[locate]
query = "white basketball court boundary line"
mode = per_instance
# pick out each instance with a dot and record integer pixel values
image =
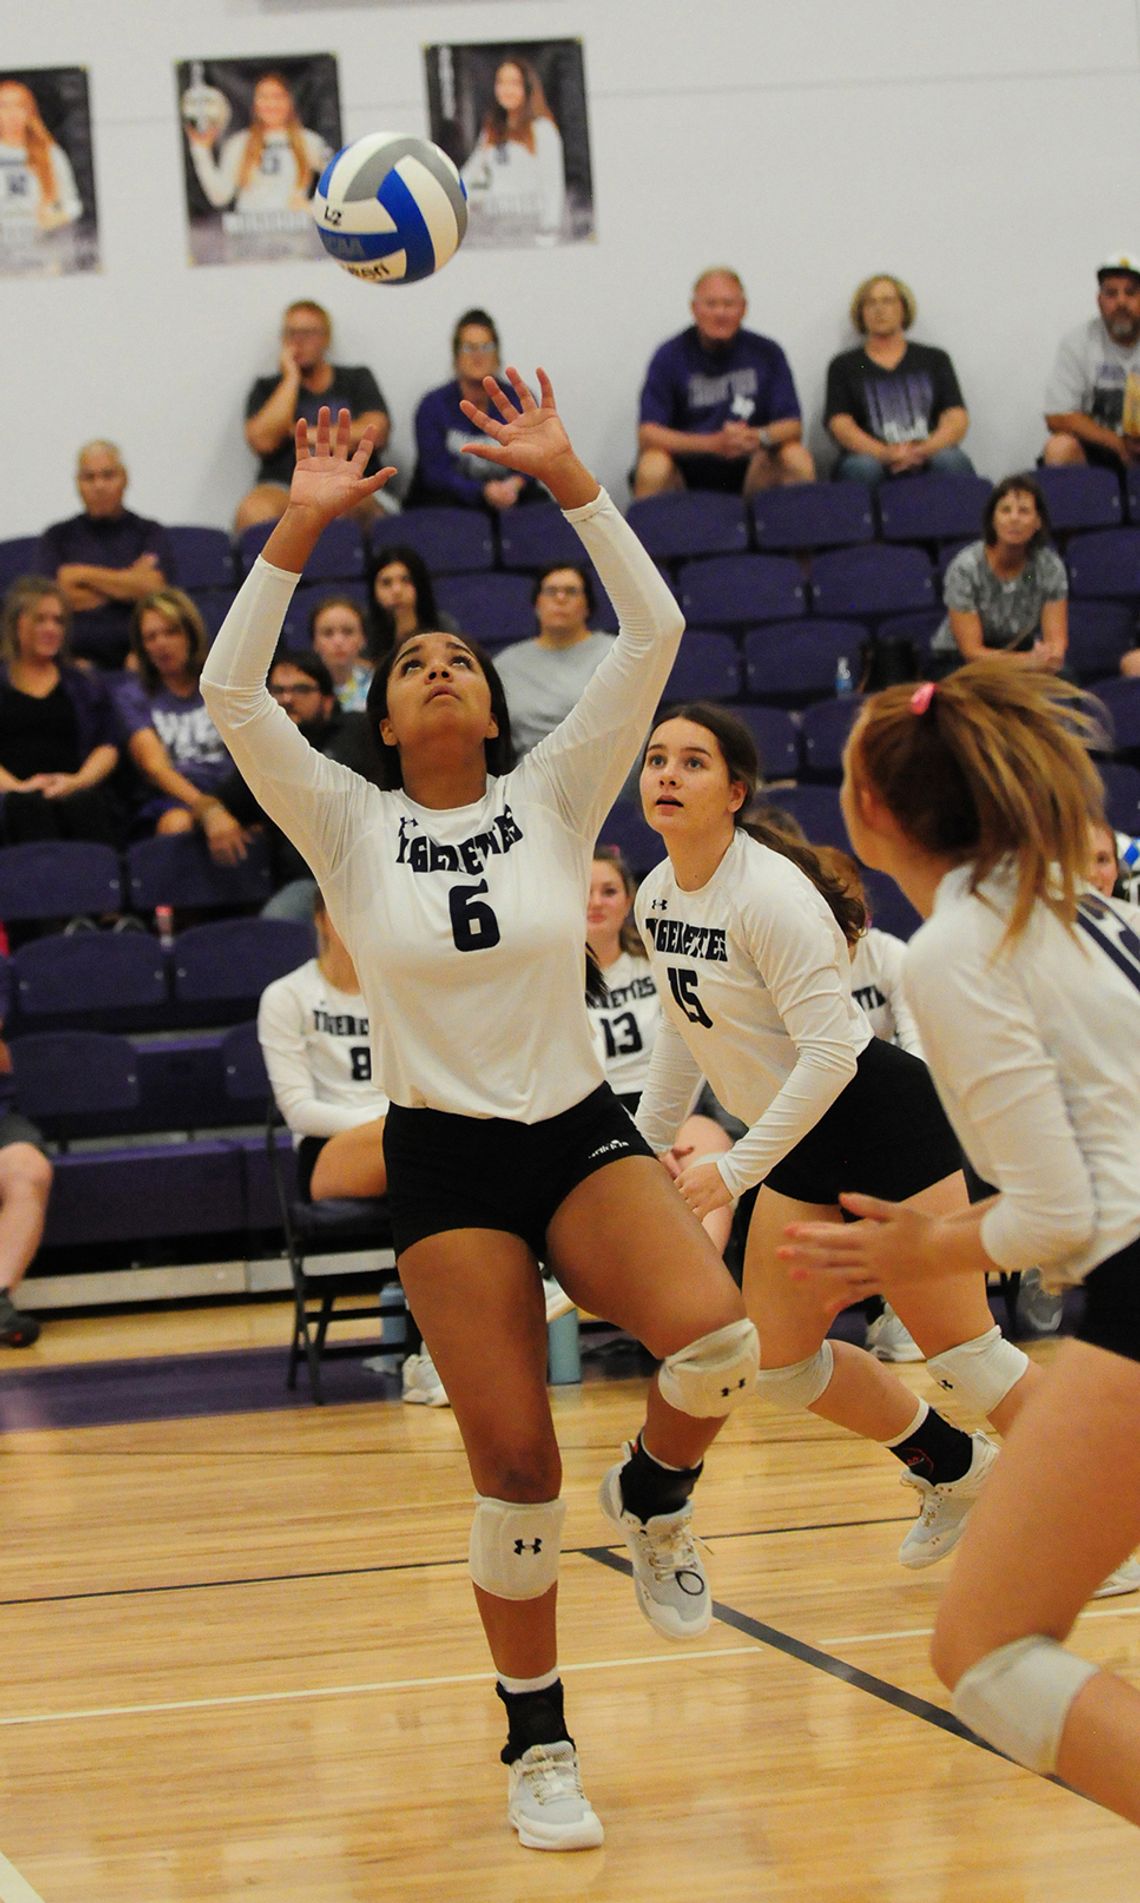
(350, 1691)
(13, 1887)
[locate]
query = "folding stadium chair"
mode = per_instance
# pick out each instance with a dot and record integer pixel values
(536, 534)
(812, 515)
(495, 609)
(295, 627)
(203, 558)
(707, 668)
(338, 556)
(1099, 633)
(890, 911)
(736, 591)
(213, 604)
(176, 869)
(792, 664)
(69, 1080)
(1122, 699)
(16, 558)
(113, 981)
(221, 969)
(823, 730)
(336, 1226)
(817, 810)
(1082, 498)
(1105, 563)
(451, 541)
(777, 740)
(1132, 491)
(932, 508)
(868, 583)
(676, 527)
(58, 879)
(1121, 795)
(625, 828)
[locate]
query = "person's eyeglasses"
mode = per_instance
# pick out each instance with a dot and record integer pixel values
(557, 590)
(294, 692)
(477, 350)
(304, 330)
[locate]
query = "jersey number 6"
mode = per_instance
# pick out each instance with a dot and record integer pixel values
(683, 985)
(474, 926)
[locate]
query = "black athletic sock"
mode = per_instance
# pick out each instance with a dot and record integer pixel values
(935, 1451)
(532, 1718)
(648, 1488)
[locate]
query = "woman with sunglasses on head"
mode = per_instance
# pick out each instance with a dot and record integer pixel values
(976, 797)
(458, 891)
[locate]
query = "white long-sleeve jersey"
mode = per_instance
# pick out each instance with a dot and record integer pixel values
(877, 988)
(466, 925)
(1034, 1053)
(626, 1026)
(754, 979)
(314, 1040)
(273, 187)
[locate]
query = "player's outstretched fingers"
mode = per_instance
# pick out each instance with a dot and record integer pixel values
(545, 389)
(514, 378)
(343, 433)
(324, 426)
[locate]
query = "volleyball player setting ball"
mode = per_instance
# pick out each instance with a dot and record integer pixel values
(976, 797)
(457, 888)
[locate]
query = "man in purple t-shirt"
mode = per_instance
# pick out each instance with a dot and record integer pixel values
(105, 559)
(719, 408)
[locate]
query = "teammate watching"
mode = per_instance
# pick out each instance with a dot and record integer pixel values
(458, 890)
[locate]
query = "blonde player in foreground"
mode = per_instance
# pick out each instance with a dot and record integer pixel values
(976, 797)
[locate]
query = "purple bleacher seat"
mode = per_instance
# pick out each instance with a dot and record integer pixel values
(1105, 563)
(794, 663)
(817, 810)
(823, 730)
(1081, 498)
(1121, 795)
(56, 878)
(451, 541)
(625, 828)
(872, 581)
(110, 980)
(1132, 491)
(220, 969)
(68, 1080)
(243, 1068)
(707, 668)
(920, 627)
(739, 590)
(295, 627)
(203, 558)
(945, 556)
(536, 534)
(777, 740)
(176, 869)
(890, 910)
(338, 556)
(213, 604)
(16, 558)
(493, 609)
(813, 515)
(1121, 698)
(675, 527)
(932, 508)
(146, 1192)
(1099, 633)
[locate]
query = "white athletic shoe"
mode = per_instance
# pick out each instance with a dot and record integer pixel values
(420, 1384)
(945, 1508)
(1038, 1312)
(668, 1575)
(888, 1340)
(1126, 1578)
(546, 1803)
(557, 1301)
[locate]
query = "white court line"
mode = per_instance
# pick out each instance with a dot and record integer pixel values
(927, 1631)
(350, 1691)
(13, 1888)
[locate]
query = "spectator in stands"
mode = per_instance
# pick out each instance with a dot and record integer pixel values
(339, 636)
(1104, 862)
(719, 408)
(403, 599)
(304, 380)
(167, 731)
(1092, 403)
(1008, 593)
(57, 729)
(25, 1185)
(543, 678)
(313, 1029)
(444, 476)
(105, 559)
(894, 407)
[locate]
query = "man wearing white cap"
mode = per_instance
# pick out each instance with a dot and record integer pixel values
(1092, 402)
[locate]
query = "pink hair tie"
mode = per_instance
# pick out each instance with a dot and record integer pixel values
(922, 697)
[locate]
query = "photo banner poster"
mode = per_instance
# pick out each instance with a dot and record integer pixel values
(256, 135)
(512, 115)
(48, 224)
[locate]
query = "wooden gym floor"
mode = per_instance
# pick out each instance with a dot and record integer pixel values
(240, 1659)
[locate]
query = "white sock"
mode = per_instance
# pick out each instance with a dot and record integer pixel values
(540, 1684)
(896, 1440)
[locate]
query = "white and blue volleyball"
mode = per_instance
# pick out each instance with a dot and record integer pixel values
(390, 209)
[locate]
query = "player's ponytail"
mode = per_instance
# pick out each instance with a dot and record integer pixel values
(990, 766)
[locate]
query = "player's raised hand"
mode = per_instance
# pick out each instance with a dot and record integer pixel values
(529, 437)
(329, 478)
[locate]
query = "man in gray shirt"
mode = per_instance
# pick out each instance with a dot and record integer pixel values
(543, 678)
(1092, 403)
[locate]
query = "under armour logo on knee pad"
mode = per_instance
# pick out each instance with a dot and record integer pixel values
(528, 1546)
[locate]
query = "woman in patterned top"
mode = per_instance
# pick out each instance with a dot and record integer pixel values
(1007, 593)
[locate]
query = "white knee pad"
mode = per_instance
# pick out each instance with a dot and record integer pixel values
(1018, 1699)
(515, 1546)
(801, 1383)
(982, 1371)
(714, 1373)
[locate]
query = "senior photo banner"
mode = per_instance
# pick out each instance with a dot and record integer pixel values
(48, 225)
(256, 135)
(512, 115)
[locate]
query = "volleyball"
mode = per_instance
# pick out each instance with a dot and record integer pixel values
(390, 209)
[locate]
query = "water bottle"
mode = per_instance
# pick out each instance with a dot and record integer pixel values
(164, 926)
(844, 679)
